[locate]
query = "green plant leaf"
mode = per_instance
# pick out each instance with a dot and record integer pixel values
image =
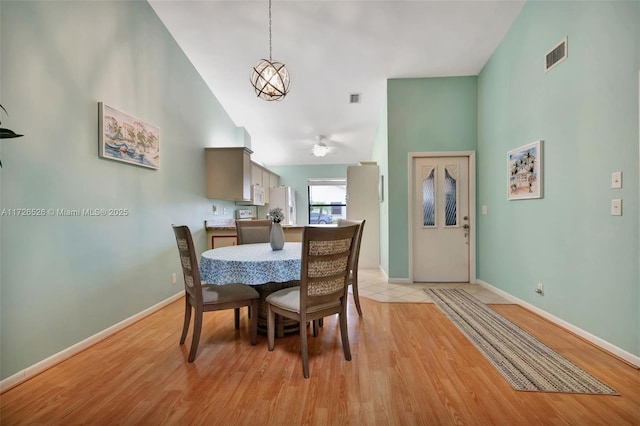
(8, 133)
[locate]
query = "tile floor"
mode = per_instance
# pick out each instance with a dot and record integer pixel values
(373, 284)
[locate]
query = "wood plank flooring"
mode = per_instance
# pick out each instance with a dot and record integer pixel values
(411, 366)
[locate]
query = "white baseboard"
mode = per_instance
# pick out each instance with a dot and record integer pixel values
(384, 274)
(602, 344)
(49, 362)
(399, 281)
(393, 280)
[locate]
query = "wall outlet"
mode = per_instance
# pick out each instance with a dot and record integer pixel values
(215, 209)
(540, 289)
(616, 207)
(174, 278)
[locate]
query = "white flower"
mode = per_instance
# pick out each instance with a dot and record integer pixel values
(276, 215)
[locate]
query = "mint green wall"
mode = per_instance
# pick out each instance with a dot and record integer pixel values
(64, 279)
(424, 114)
(297, 176)
(586, 111)
(381, 156)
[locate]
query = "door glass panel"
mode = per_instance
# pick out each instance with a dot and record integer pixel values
(429, 200)
(450, 197)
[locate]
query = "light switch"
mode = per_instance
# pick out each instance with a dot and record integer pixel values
(484, 209)
(616, 180)
(616, 207)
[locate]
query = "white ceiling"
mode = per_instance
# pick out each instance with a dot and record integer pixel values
(331, 49)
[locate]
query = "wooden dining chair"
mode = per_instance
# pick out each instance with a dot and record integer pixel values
(253, 231)
(202, 297)
(353, 275)
(324, 281)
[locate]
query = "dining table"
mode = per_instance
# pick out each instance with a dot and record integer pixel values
(259, 266)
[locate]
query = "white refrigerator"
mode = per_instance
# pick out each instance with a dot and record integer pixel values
(285, 198)
(363, 203)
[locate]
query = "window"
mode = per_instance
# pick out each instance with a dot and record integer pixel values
(429, 200)
(327, 200)
(450, 196)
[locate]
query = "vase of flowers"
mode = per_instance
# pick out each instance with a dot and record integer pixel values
(276, 237)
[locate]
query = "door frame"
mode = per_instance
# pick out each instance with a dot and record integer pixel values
(471, 157)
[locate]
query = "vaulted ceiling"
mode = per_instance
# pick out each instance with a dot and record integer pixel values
(332, 49)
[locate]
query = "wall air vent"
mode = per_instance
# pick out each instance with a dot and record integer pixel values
(556, 55)
(354, 98)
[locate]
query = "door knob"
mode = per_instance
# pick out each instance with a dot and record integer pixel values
(465, 218)
(465, 226)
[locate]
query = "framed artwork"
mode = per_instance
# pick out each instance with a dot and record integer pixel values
(524, 172)
(123, 137)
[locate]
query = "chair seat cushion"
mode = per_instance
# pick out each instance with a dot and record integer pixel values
(212, 293)
(289, 299)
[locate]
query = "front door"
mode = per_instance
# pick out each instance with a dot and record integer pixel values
(441, 219)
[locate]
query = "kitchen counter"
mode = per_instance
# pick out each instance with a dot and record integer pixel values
(230, 225)
(222, 232)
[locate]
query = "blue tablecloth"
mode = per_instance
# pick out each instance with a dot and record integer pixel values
(251, 264)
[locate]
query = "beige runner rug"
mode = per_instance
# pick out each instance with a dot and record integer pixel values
(525, 362)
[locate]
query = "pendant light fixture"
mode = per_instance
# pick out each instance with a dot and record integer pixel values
(269, 78)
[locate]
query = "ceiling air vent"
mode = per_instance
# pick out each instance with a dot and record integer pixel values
(354, 98)
(555, 55)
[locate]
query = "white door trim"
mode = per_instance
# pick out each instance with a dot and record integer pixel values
(471, 155)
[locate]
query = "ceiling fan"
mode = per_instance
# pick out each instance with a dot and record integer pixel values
(320, 147)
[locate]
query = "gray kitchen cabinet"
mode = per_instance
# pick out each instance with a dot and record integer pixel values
(228, 173)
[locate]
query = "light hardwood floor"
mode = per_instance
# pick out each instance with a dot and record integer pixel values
(410, 365)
